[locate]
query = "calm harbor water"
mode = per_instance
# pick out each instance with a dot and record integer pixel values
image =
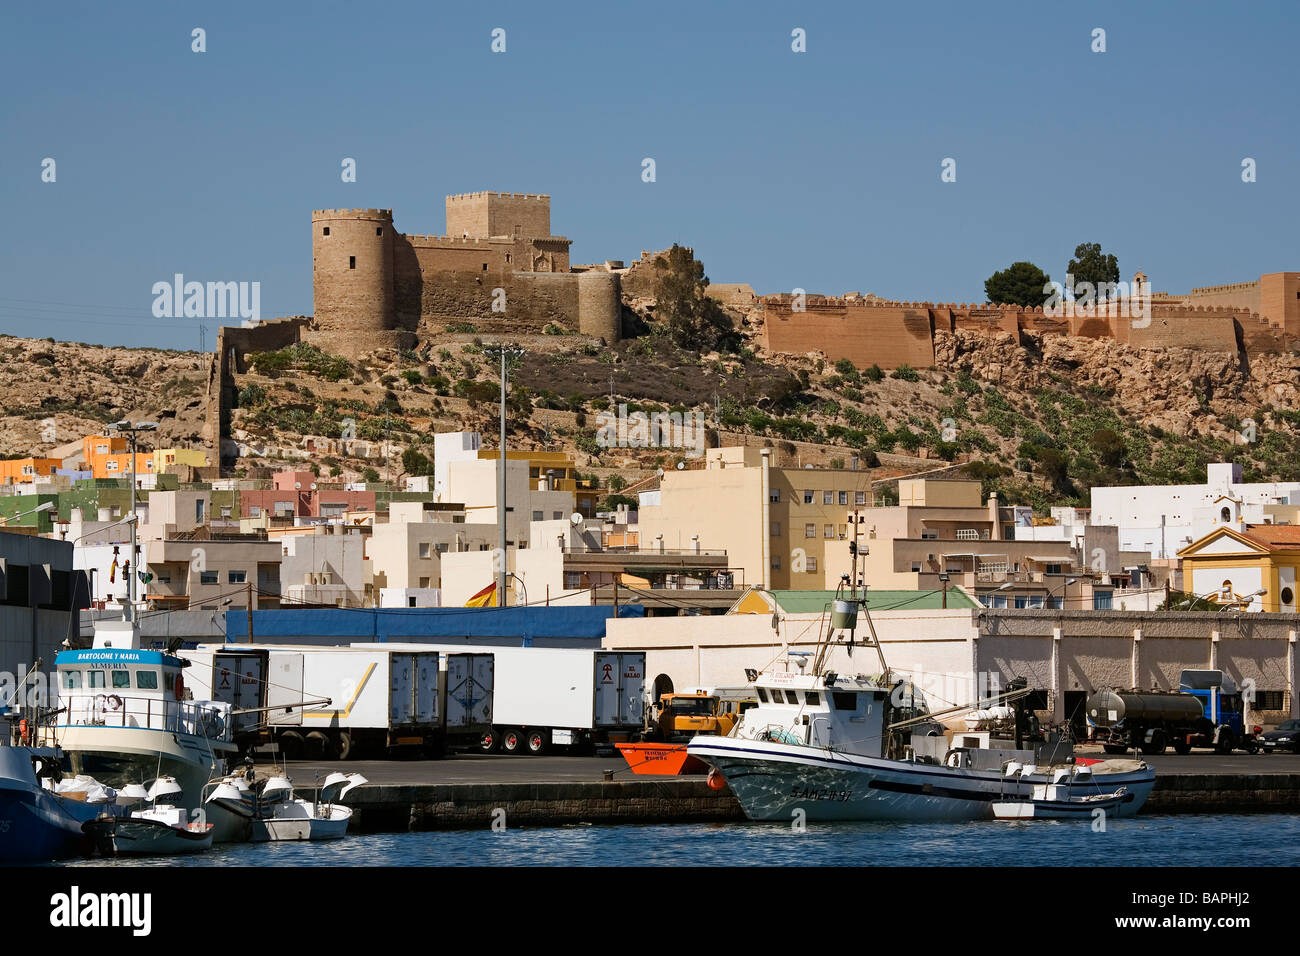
(1239, 840)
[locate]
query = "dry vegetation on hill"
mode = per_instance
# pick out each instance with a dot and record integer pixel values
(1040, 420)
(80, 388)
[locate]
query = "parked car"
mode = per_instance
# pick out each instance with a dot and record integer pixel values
(1285, 737)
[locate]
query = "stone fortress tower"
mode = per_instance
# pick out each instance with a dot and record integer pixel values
(352, 277)
(377, 288)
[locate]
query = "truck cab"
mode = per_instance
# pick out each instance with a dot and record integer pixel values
(682, 716)
(1224, 706)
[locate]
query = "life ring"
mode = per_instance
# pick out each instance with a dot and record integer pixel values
(113, 702)
(716, 780)
(179, 687)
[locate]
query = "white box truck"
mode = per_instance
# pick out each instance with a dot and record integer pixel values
(563, 697)
(346, 702)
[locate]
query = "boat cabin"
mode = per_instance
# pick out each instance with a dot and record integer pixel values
(115, 683)
(844, 713)
(129, 688)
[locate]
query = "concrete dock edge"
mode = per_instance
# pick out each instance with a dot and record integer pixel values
(415, 807)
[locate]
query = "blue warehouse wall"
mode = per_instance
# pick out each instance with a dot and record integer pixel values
(509, 626)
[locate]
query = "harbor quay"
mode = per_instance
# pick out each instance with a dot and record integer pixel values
(471, 791)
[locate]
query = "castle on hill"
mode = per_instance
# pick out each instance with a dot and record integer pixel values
(497, 262)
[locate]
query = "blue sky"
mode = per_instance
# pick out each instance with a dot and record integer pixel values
(819, 170)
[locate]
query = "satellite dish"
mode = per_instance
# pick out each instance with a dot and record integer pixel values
(659, 472)
(681, 465)
(576, 518)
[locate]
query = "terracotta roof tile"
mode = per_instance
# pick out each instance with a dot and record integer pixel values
(1274, 536)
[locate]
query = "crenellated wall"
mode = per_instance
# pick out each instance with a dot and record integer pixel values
(876, 332)
(887, 334)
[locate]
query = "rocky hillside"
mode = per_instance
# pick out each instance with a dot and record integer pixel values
(57, 392)
(1040, 420)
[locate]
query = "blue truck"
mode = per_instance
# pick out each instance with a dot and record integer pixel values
(1208, 710)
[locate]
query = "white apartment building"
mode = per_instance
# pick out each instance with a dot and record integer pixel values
(1163, 519)
(407, 551)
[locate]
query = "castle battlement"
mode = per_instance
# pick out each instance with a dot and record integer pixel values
(1231, 287)
(456, 240)
(496, 195)
(350, 213)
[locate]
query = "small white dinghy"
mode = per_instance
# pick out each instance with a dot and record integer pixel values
(282, 816)
(162, 829)
(1071, 794)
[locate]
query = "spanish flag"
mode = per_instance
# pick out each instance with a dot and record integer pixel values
(485, 598)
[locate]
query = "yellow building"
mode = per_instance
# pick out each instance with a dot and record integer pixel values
(552, 471)
(107, 456)
(165, 458)
(1232, 564)
(777, 525)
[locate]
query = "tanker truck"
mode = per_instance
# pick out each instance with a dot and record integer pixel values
(1206, 712)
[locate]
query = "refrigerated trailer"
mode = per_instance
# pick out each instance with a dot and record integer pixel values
(346, 702)
(545, 697)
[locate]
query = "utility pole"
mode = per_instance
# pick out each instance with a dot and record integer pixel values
(853, 584)
(388, 456)
(249, 586)
(503, 571)
(131, 431)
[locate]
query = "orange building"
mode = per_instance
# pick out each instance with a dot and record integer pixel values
(107, 457)
(17, 471)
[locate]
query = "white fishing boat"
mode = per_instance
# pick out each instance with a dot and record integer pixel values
(124, 715)
(161, 829)
(283, 816)
(855, 748)
(1072, 794)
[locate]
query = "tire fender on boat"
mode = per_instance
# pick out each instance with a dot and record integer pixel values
(716, 780)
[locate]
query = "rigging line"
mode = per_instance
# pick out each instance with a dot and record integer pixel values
(786, 645)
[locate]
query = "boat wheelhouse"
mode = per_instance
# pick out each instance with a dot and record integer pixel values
(833, 747)
(124, 716)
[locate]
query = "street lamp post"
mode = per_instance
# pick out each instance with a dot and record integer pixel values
(1001, 587)
(1221, 591)
(503, 574)
(1243, 601)
(47, 506)
(1064, 585)
(90, 572)
(131, 431)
